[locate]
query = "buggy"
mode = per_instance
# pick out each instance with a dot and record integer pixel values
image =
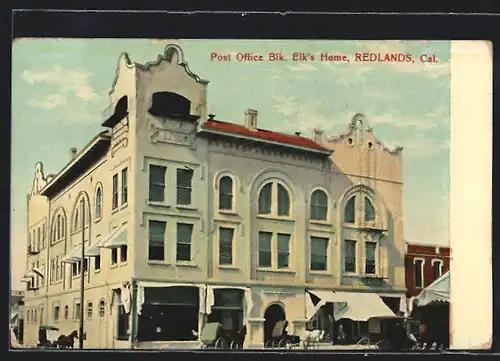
(380, 330)
(214, 336)
(280, 337)
(47, 336)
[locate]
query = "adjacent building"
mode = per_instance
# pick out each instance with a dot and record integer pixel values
(186, 219)
(424, 264)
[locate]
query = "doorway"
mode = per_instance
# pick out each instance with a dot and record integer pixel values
(274, 313)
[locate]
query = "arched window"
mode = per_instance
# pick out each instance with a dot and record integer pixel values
(89, 310)
(58, 225)
(226, 193)
(102, 308)
(319, 205)
(369, 210)
(98, 203)
(350, 210)
(274, 199)
(76, 223)
(66, 312)
(76, 220)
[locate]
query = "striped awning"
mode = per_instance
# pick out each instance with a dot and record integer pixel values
(116, 238)
(73, 256)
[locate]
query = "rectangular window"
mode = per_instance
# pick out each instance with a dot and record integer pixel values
(43, 235)
(283, 250)
(350, 256)
(157, 183)
(85, 265)
(56, 313)
(418, 270)
(265, 253)
(114, 256)
(370, 258)
(76, 315)
(123, 254)
(124, 186)
(319, 254)
(156, 250)
(115, 192)
(184, 234)
(226, 236)
(436, 267)
(122, 321)
(75, 268)
(184, 186)
(97, 263)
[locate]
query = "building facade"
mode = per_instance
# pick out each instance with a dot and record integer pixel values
(424, 264)
(186, 219)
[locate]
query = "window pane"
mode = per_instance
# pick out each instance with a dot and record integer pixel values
(184, 180)
(319, 205)
(418, 273)
(283, 201)
(115, 191)
(437, 270)
(97, 262)
(226, 193)
(265, 249)
(123, 253)
(156, 240)
(350, 210)
(369, 211)
(265, 201)
(184, 233)
(319, 248)
(350, 256)
(370, 266)
(157, 183)
(124, 186)
(226, 245)
(283, 250)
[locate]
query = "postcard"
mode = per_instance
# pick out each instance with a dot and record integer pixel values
(284, 195)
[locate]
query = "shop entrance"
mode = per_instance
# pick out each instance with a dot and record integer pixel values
(273, 314)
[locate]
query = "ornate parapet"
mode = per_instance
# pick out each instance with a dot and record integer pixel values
(39, 181)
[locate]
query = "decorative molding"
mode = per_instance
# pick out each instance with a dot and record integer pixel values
(39, 181)
(170, 53)
(161, 135)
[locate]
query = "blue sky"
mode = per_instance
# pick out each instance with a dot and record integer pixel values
(60, 89)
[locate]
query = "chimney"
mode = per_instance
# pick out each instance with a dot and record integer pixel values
(318, 135)
(72, 153)
(298, 134)
(211, 116)
(251, 119)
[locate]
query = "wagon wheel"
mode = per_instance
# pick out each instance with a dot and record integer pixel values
(382, 345)
(235, 345)
(269, 344)
(31, 343)
(282, 343)
(220, 343)
(289, 345)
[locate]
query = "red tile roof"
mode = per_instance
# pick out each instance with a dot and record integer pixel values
(285, 139)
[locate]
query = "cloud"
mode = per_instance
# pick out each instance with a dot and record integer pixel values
(433, 119)
(51, 101)
(301, 67)
(75, 81)
(348, 74)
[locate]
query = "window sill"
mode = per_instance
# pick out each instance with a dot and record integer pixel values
(124, 205)
(97, 219)
(185, 264)
(275, 270)
(227, 212)
(123, 264)
(158, 263)
(320, 273)
(186, 207)
(351, 274)
(97, 271)
(275, 218)
(115, 210)
(228, 267)
(114, 265)
(158, 204)
(55, 282)
(321, 223)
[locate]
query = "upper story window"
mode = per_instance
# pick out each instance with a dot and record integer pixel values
(274, 250)
(437, 268)
(115, 192)
(319, 254)
(184, 186)
(226, 193)
(319, 205)
(418, 265)
(98, 202)
(359, 209)
(157, 183)
(78, 216)
(274, 199)
(58, 227)
(124, 186)
(156, 249)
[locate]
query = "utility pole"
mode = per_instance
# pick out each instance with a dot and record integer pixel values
(82, 278)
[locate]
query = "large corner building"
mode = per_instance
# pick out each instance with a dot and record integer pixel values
(188, 219)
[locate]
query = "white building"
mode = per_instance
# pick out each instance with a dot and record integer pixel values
(195, 220)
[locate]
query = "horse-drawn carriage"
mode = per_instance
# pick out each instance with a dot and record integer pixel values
(47, 336)
(385, 332)
(214, 336)
(280, 337)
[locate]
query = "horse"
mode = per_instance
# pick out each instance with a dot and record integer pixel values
(67, 341)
